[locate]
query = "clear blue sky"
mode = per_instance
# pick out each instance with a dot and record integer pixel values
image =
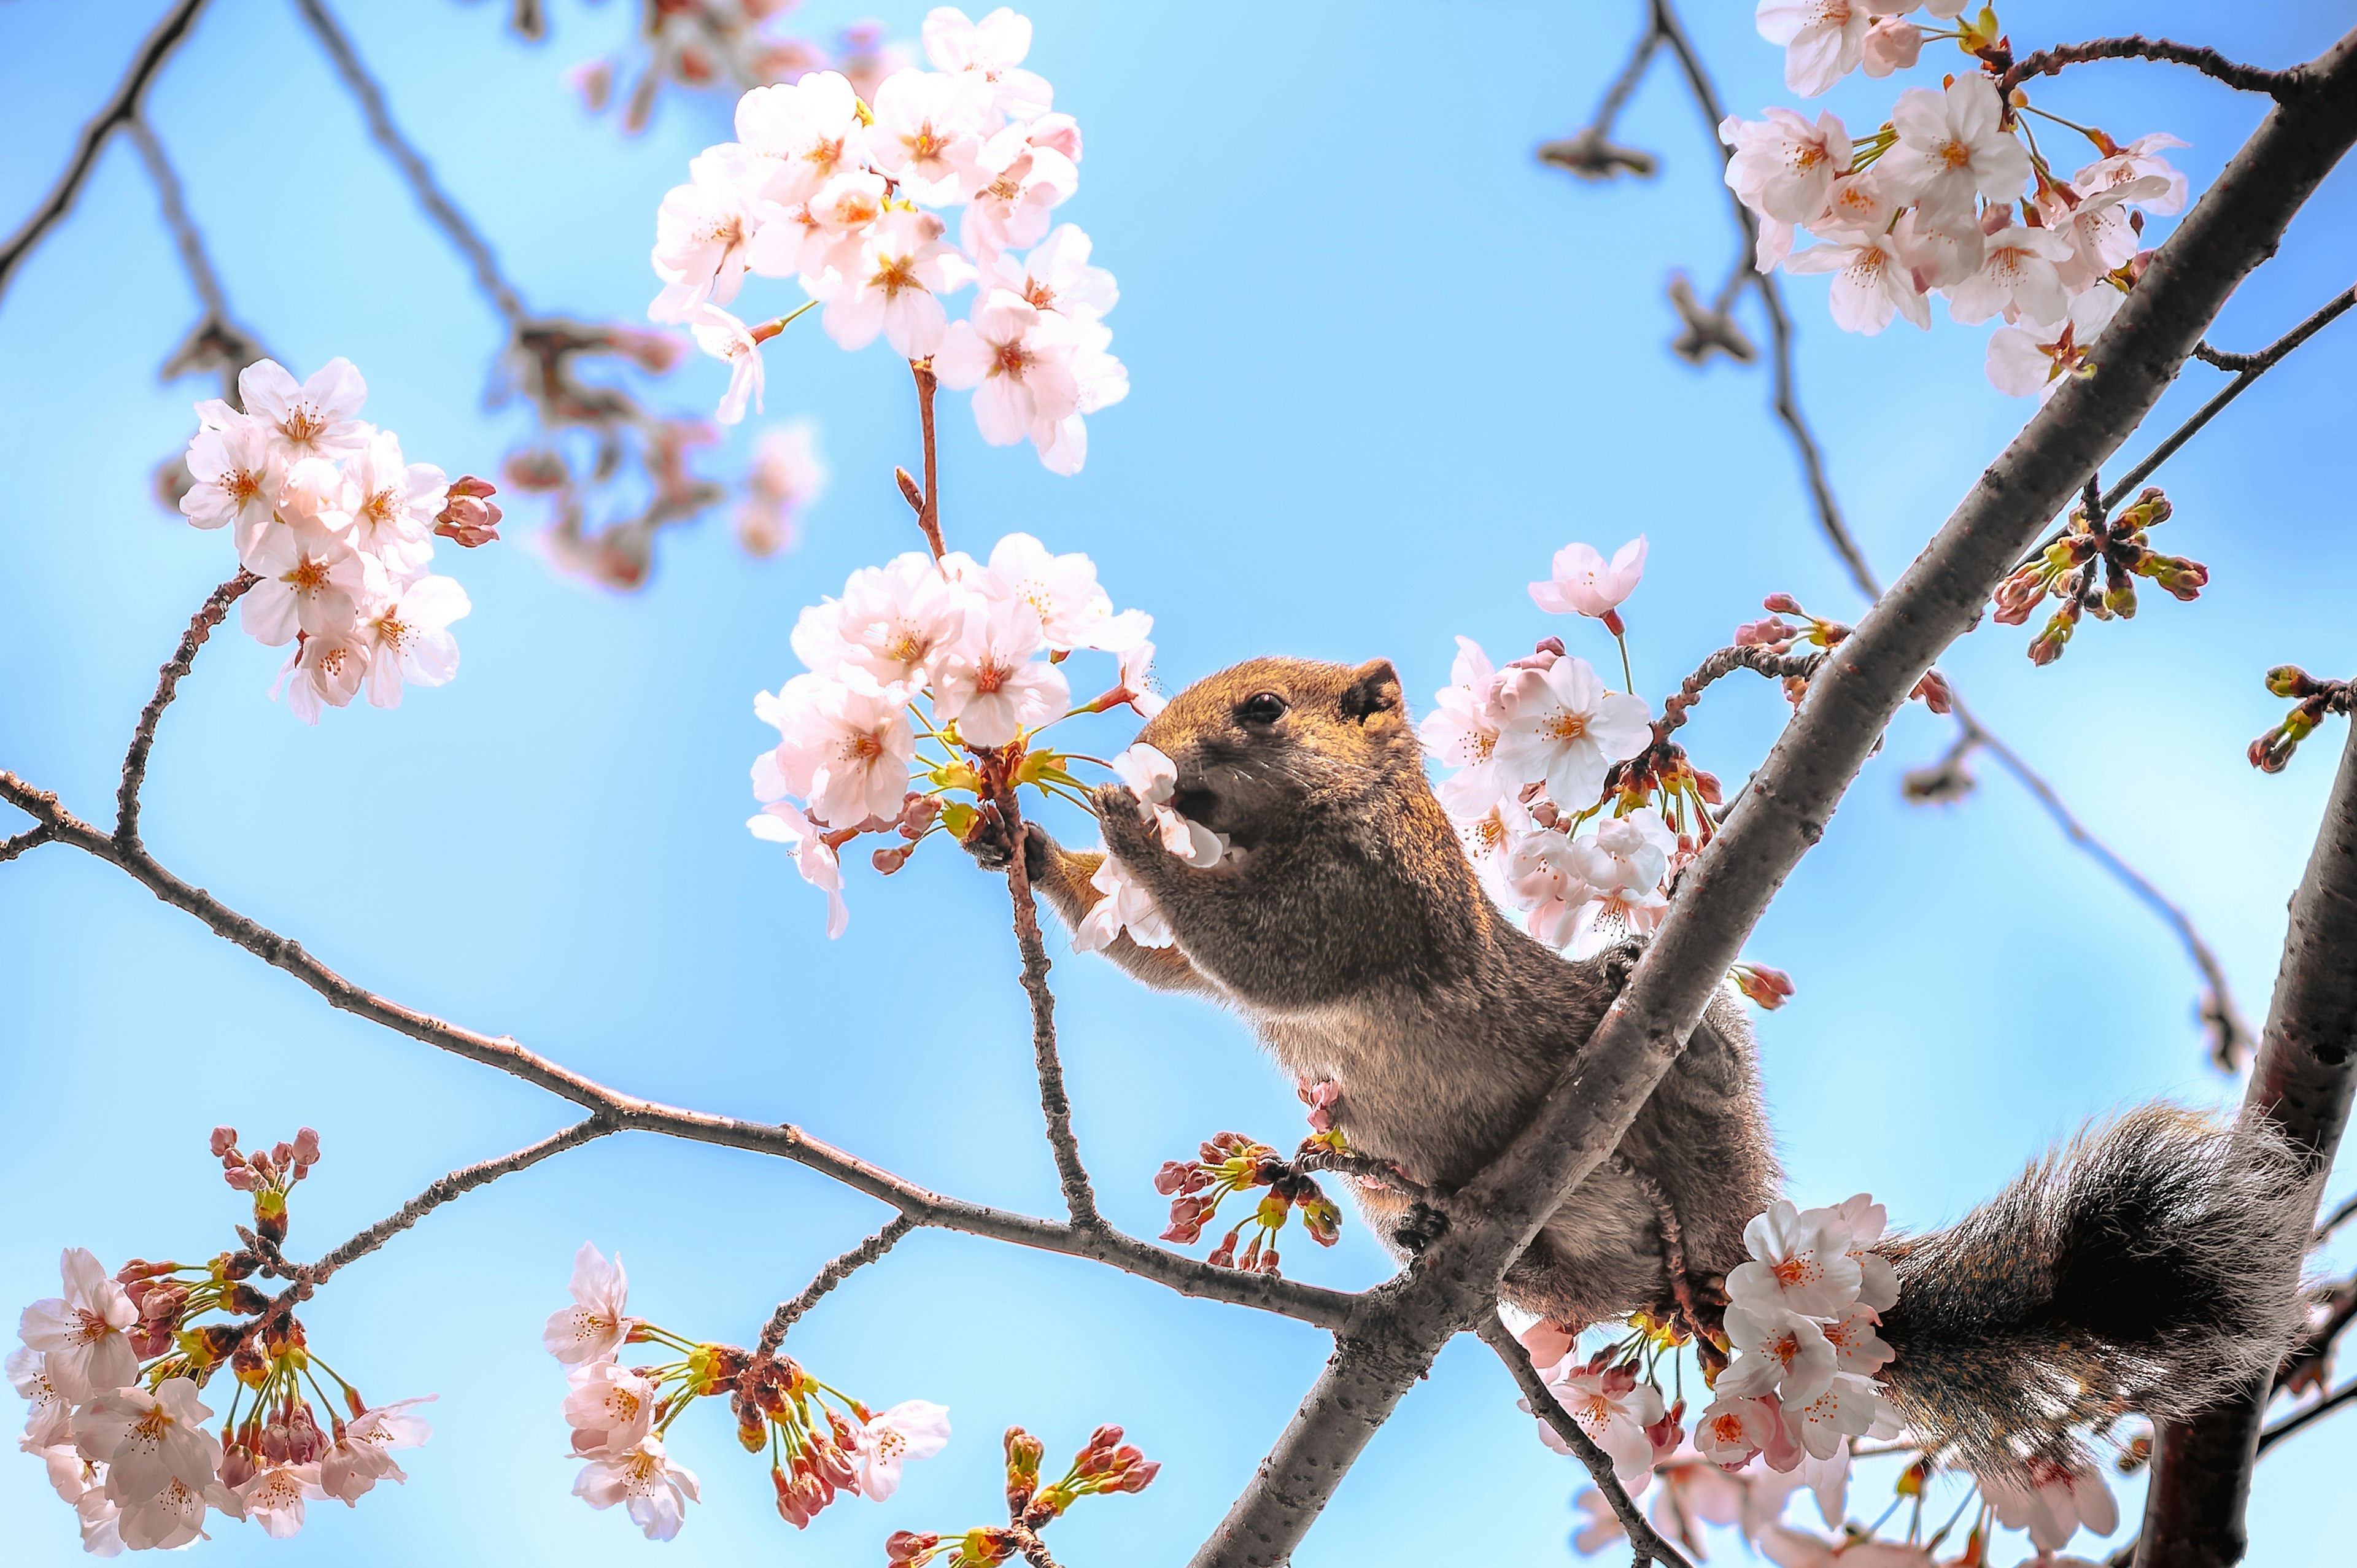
(1383, 365)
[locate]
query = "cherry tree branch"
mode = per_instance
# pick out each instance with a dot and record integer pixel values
(1397, 1329)
(1080, 1201)
(168, 686)
(2277, 84)
(1645, 1542)
(117, 110)
(2315, 1413)
(2336, 1219)
(2302, 1081)
(926, 503)
(849, 1263)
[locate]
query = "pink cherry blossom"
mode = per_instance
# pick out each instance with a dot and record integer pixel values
(597, 1323)
(990, 685)
(1783, 168)
(895, 622)
(362, 1452)
(2024, 361)
(147, 1440)
(1461, 734)
(1856, 203)
(1800, 1263)
(321, 672)
(1615, 913)
(1614, 1410)
(928, 130)
(1544, 875)
(1865, 1219)
(1563, 727)
(1629, 852)
(844, 747)
(1856, 1348)
(784, 476)
(1018, 362)
(610, 1408)
(49, 1418)
(913, 1429)
(172, 1516)
(799, 134)
(1125, 906)
(2017, 277)
(2139, 160)
(1871, 282)
(1850, 1407)
(1890, 44)
(237, 476)
(654, 1491)
(83, 1335)
(1013, 206)
(781, 822)
(312, 580)
(2053, 1502)
(1731, 1430)
(1583, 584)
(1074, 611)
(992, 49)
(1951, 148)
(894, 286)
(1057, 277)
(1599, 1526)
(701, 232)
(274, 1497)
(406, 630)
(2102, 238)
(1935, 257)
(1824, 39)
(316, 418)
(391, 504)
(1780, 1353)
(727, 340)
(1137, 680)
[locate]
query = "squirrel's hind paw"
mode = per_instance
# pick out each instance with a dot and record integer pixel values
(1419, 1227)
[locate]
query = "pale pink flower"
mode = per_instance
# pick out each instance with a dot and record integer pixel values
(1866, 1220)
(102, 1524)
(1599, 1525)
(785, 475)
(610, 1408)
(1850, 1407)
(799, 134)
(1871, 282)
(1952, 148)
(391, 504)
(927, 132)
(312, 580)
(844, 747)
(1074, 611)
(1057, 277)
(1563, 727)
(237, 476)
(2137, 161)
(1783, 168)
(1018, 361)
(2024, 361)
(1153, 777)
(1461, 734)
(83, 1335)
(1824, 39)
(361, 1454)
(1138, 679)
(2016, 278)
(1626, 851)
(991, 686)
(1780, 1353)
(727, 340)
(895, 622)
(655, 1491)
(1614, 913)
(1614, 1410)
(2053, 1503)
(1730, 1429)
(321, 672)
(799, 241)
(1544, 875)
(1800, 1263)
(318, 418)
(1584, 583)
(1125, 906)
(1016, 199)
(1856, 202)
(2102, 238)
(170, 1517)
(406, 630)
(913, 1429)
(992, 49)
(597, 1323)
(781, 822)
(147, 1441)
(1935, 257)
(1890, 44)
(72, 1475)
(701, 232)
(894, 286)
(1857, 1346)
(274, 1496)
(50, 1419)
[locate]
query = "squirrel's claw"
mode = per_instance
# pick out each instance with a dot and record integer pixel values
(1419, 1227)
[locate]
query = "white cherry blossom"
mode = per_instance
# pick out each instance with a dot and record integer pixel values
(2053, 1503)
(894, 286)
(147, 1440)
(1891, 44)
(781, 822)
(1584, 583)
(322, 671)
(1824, 39)
(701, 232)
(727, 340)
(406, 630)
(274, 1496)
(1783, 168)
(1951, 148)
(2016, 278)
(1544, 875)
(1614, 1410)
(83, 1335)
(1938, 258)
(316, 418)
(611, 1409)
(1563, 727)
(2097, 226)
(170, 1517)
(1857, 1346)
(391, 504)
(1153, 777)
(913, 1429)
(1850, 1407)
(1074, 611)
(1125, 906)
(1730, 1431)
(929, 133)
(2024, 361)
(1057, 277)
(312, 580)
(992, 686)
(1780, 1353)
(48, 1421)
(362, 1454)
(1461, 734)
(2137, 161)
(1615, 913)
(1878, 1281)
(597, 1323)
(1800, 1263)
(895, 622)
(799, 134)
(1629, 852)
(655, 1491)
(1871, 282)
(992, 49)
(1018, 361)
(237, 476)
(844, 747)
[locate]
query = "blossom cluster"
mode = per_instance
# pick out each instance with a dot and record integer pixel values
(1926, 205)
(339, 531)
(785, 477)
(2091, 570)
(821, 1443)
(928, 680)
(1103, 1465)
(845, 192)
(709, 43)
(1229, 1164)
(115, 1368)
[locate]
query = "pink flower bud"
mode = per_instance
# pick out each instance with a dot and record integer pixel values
(1173, 1175)
(241, 1179)
(306, 1146)
(905, 1546)
(470, 517)
(224, 1141)
(1782, 604)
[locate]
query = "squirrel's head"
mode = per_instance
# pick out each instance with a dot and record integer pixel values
(1264, 747)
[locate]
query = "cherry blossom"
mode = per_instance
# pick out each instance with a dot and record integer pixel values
(781, 822)
(2133, 163)
(1800, 1263)
(1850, 1407)
(1783, 168)
(1014, 208)
(991, 686)
(610, 1408)
(799, 136)
(1614, 1410)
(1543, 877)
(316, 418)
(47, 1422)
(2026, 362)
(992, 49)
(927, 132)
(391, 504)
(1057, 277)
(2102, 238)
(406, 630)
(1153, 777)
(843, 747)
(1461, 732)
(1856, 1348)
(701, 232)
(312, 580)
(1018, 362)
(894, 286)
(274, 1497)
(1615, 913)
(1952, 147)
(895, 622)
(654, 1491)
(1074, 611)
(1824, 39)
(1137, 680)
(1599, 1526)
(2054, 1503)
(1626, 851)
(1584, 585)
(913, 1429)
(1780, 1353)
(323, 671)
(1936, 257)
(237, 476)
(1731, 1431)
(1871, 283)
(1560, 726)
(727, 340)
(173, 1516)
(1878, 1281)
(83, 1335)
(148, 1440)
(596, 1323)
(1125, 906)
(2016, 276)
(1890, 44)
(362, 1452)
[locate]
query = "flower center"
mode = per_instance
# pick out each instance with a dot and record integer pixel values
(893, 275)
(1565, 727)
(1010, 359)
(1794, 1271)
(303, 425)
(241, 486)
(1954, 155)
(308, 575)
(91, 1327)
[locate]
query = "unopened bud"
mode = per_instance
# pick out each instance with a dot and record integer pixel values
(2291, 681)
(471, 518)
(1782, 604)
(224, 1142)
(306, 1147)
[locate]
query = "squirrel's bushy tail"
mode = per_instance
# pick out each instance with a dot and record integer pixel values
(2152, 1264)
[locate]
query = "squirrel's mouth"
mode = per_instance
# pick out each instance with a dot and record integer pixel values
(1197, 806)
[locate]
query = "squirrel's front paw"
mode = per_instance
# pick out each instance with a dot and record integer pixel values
(1618, 961)
(1419, 1227)
(992, 846)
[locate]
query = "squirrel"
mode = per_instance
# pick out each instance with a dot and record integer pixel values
(2152, 1265)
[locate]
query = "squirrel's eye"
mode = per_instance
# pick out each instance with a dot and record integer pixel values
(1262, 708)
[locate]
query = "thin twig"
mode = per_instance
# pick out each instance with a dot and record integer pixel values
(928, 507)
(115, 111)
(2336, 1219)
(2208, 61)
(414, 167)
(1727, 661)
(168, 686)
(173, 198)
(31, 838)
(2316, 1411)
(1645, 1542)
(450, 1186)
(1080, 1201)
(833, 1274)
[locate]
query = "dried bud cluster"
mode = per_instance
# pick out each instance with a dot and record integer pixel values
(1228, 1164)
(2091, 570)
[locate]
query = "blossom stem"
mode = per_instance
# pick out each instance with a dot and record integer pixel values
(2092, 136)
(1627, 679)
(769, 329)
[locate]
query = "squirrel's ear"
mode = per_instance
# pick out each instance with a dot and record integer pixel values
(1374, 689)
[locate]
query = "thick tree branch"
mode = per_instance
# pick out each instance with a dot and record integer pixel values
(2208, 61)
(168, 686)
(412, 166)
(849, 1263)
(1398, 1330)
(115, 111)
(1645, 1542)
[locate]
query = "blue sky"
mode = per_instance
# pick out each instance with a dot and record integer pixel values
(1383, 364)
